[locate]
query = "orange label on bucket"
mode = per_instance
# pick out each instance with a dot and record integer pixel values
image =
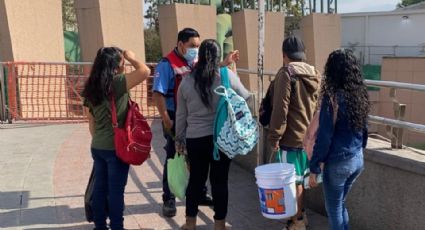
(272, 201)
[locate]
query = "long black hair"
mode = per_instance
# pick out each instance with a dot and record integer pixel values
(343, 74)
(207, 69)
(105, 66)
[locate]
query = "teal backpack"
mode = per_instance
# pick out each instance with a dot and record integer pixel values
(235, 130)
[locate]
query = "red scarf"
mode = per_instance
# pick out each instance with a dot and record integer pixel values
(181, 69)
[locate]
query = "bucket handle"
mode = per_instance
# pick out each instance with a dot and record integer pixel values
(279, 156)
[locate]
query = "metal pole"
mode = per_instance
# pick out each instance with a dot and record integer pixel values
(314, 6)
(280, 5)
(260, 69)
(2, 95)
(321, 6)
(336, 6)
(309, 6)
(329, 6)
(302, 8)
(232, 6)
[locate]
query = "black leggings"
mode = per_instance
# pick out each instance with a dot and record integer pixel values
(200, 153)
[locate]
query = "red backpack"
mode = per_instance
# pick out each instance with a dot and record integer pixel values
(133, 141)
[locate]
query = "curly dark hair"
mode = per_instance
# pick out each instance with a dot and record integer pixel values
(207, 69)
(343, 75)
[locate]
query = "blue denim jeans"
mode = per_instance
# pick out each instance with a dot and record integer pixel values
(170, 151)
(110, 180)
(338, 178)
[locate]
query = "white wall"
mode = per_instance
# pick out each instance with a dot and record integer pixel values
(376, 34)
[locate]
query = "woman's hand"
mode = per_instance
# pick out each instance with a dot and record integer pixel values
(231, 58)
(168, 124)
(275, 147)
(313, 180)
(129, 55)
(180, 148)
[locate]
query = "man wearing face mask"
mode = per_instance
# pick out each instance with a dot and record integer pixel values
(168, 75)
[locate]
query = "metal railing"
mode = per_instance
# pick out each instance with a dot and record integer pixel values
(395, 127)
(373, 54)
(231, 6)
(51, 91)
(28, 75)
(2, 95)
(311, 6)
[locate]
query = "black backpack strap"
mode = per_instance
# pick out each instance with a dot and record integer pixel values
(293, 80)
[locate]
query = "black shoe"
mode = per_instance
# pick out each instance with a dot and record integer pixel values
(169, 208)
(206, 201)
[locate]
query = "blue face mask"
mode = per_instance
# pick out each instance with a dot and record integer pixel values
(191, 55)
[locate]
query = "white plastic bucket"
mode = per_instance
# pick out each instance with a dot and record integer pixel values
(276, 188)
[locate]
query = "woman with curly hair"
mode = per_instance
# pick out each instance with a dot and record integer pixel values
(339, 146)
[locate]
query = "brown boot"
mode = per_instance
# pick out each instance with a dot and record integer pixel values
(190, 223)
(220, 225)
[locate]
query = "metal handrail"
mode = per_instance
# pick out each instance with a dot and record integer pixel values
(397, 123)
(396, 85)
(377, 119)
(374, 119)
(388, 84)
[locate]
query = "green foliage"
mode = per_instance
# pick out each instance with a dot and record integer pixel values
(69, 18)
(405, 3)
(295, 13)
(152, 45)
(152, 14)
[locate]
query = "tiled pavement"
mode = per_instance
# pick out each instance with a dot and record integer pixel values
(44, 171)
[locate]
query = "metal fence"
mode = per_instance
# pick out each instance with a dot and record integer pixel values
(49, 91)
(42, 91)
(373, 54)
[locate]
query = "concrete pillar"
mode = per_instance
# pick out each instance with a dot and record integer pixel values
(110, 23)
(175, 17)
(245, 39)
(31, 30)
(321, 34)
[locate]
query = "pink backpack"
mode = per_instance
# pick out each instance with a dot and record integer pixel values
(311, 133)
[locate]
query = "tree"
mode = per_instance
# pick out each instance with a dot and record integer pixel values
(69, 18)
(405, 3)
(152, 45)
(294, 12)
(152, 14)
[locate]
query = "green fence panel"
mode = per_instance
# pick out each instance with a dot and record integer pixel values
(372, 72)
